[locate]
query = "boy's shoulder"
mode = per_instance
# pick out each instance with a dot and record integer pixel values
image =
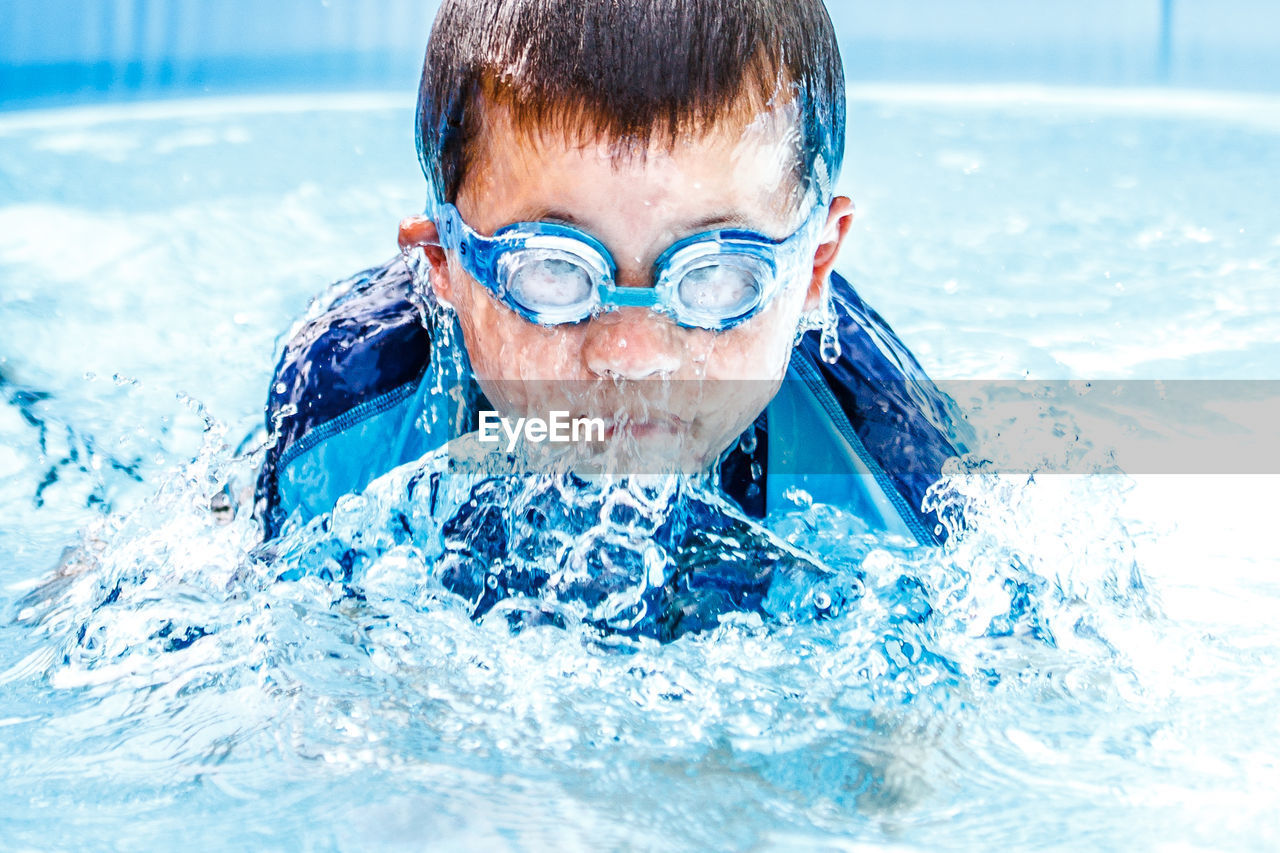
(360, 339)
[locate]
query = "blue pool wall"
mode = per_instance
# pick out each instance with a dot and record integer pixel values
(83, 51)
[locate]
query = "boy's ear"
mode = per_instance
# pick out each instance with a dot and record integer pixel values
(419, 232)
(839, 221)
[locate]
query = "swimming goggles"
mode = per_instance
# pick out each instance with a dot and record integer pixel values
(550, 273)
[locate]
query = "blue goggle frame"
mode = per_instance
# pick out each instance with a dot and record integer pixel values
(769, 262)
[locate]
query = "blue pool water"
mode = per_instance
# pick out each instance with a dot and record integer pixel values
(1092, 664)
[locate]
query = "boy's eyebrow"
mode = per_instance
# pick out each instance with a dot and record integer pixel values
(551, 214)
(724, 219)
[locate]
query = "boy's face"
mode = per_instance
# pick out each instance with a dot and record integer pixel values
(673, 395)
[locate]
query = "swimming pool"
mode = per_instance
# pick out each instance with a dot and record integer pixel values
(1096, 664)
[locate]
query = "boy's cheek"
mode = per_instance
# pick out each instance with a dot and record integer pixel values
(756, 351)
(502, 345)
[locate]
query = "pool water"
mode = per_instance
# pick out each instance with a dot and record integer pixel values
(1092, 662)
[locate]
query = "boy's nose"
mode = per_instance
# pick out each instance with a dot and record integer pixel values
(632, 343)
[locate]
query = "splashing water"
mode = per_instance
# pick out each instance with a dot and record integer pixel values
(460, 637)
(379, 677)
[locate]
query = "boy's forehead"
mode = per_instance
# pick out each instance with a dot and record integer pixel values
(748, 148)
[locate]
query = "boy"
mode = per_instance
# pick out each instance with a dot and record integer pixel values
(632, 204)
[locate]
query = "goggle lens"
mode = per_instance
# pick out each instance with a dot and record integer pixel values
(542, 279)
(721, 288)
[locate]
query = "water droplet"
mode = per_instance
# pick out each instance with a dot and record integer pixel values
(799, 497)
(830, 347)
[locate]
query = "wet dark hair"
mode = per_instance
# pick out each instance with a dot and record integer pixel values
(628, 71)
